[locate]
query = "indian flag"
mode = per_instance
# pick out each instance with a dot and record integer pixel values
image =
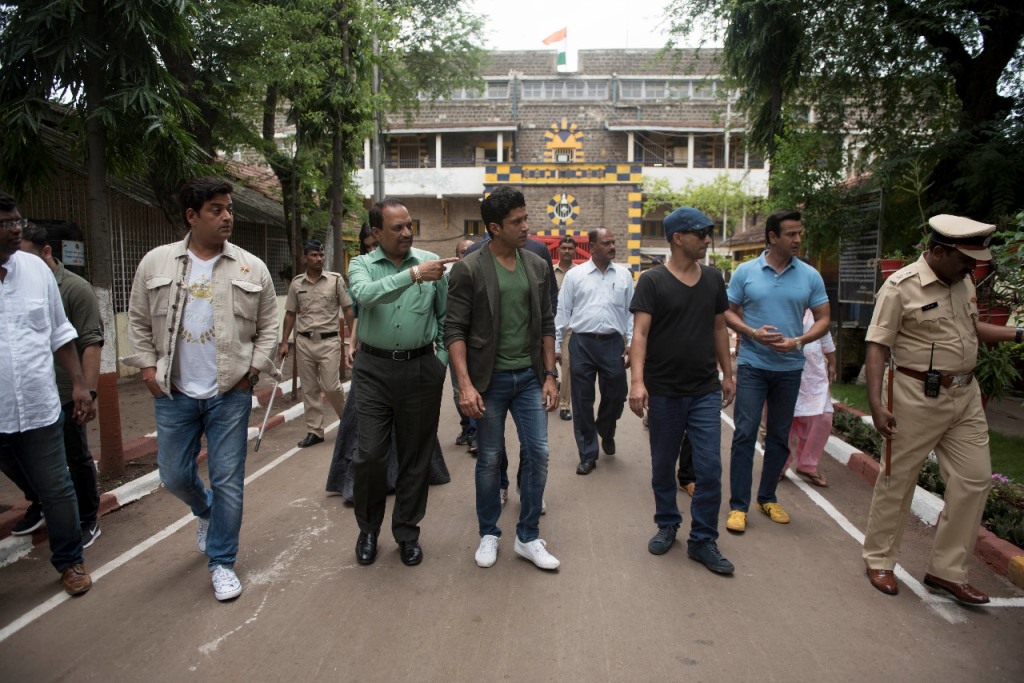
(558, 36)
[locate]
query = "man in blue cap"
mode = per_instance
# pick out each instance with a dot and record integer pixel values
(767, 300)
(679, 342)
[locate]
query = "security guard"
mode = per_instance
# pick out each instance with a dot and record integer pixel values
(316, 297)
(926, 318)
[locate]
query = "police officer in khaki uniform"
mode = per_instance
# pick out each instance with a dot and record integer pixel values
(315, 298)
(930, 305)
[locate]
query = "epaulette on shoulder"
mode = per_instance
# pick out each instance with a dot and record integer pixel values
(902, 274)
(302, 274)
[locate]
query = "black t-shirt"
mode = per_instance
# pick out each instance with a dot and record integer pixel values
(681, 343)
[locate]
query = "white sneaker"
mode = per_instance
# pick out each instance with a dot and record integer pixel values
(225, 584)
(487, 553)
(202, 529)
(536, 551)
(504, 497)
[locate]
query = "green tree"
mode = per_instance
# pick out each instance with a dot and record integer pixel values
(724, 200)
(934, 82)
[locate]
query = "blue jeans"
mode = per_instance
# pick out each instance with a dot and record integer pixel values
(37, 455)
(754, 387)
(518, 392)
(181, 421)
(670, 418)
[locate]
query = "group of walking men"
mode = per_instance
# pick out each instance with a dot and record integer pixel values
(203, 325)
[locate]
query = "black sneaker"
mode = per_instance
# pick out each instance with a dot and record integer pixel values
(463, 438)
(90, 532)
(709, 556)
(662, 540)
(471, 442)
(32, 520)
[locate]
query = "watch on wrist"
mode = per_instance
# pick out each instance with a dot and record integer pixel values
(551, 373)
(799, 344)
(253, 378)
(93, 394)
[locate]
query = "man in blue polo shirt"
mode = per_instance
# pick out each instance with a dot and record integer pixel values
(767, 300)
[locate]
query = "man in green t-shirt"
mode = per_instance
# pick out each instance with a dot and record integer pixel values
(500, 332)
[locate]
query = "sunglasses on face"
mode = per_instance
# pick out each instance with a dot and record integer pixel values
(703, 233)
(14, 225)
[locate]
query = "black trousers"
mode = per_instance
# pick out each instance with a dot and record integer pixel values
(405, 395)
(686, 473)
(593, 358)
(80, 464)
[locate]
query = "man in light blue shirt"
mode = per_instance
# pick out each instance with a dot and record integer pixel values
(767, 300)
(594, 304)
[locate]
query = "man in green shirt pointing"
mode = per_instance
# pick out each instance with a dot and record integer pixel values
(399, 370)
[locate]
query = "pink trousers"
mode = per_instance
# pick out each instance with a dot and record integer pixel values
(811, 433)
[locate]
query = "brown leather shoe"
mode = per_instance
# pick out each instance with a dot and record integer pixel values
(75, 579)
(884, 580)
(961, 592)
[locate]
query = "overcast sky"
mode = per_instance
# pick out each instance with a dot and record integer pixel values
(524, 24)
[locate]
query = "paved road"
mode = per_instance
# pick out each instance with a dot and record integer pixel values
(798, 608)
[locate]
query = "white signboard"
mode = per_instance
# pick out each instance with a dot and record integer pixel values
(73, 253)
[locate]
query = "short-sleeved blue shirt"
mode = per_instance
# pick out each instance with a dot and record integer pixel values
(779, 299)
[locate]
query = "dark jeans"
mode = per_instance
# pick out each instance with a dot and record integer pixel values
(670, 417)
(37, 457)
(81, 466)
(406, 396)
(597, 358)
(755, 387)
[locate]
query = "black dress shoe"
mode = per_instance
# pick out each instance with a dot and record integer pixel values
(586, 467)
(311, 439)
(366, 547)
(411, 552)
(565, 414)
(608, 445)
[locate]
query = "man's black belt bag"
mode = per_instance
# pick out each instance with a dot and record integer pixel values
(397, 355)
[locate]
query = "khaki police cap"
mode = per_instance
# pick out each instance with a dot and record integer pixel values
(968, 236)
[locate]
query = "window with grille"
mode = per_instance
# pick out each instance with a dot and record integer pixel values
(652, 228)
(563, 156)
(473, 228)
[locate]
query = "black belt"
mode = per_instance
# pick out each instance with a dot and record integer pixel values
(594, 335)
(396, 355)
(317, 336)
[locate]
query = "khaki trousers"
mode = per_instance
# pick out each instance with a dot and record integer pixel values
(319, 370)
(564, 383)
(954, 426)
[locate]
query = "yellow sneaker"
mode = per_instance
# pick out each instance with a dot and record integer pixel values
(737, 521)
(774, 512)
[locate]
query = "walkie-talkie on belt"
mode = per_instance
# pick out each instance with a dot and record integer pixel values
(932, 378)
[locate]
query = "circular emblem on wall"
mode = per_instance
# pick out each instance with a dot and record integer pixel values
(563, 209)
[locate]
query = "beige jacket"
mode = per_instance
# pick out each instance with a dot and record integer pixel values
(245, 316)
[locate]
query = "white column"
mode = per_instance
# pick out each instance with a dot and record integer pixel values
(689, 151)
(366, 155)
(437, 150)
(630, 155)
(501, 147)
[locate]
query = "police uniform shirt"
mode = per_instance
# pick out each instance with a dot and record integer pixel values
(914, 308)
(317, 304)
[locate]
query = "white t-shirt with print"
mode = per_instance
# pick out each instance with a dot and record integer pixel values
(194, 372)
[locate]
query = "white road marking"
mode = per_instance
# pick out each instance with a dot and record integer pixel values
(945, 607)
(130, 554)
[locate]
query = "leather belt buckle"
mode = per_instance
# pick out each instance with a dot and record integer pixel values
(315, 335)
(401, 355)
(961, 380)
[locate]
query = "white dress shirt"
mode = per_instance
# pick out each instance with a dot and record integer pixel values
(32, 326)
(592, 302)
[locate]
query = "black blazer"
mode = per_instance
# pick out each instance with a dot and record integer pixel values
(474, 317)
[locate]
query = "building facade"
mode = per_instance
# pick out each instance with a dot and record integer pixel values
(579, 145)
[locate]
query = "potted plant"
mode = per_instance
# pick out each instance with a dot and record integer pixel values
(1002, 293)
(890, 262)
(996, 370)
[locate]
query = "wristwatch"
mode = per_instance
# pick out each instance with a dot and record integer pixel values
(799, 344)
(253, 378)
(551, 373)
